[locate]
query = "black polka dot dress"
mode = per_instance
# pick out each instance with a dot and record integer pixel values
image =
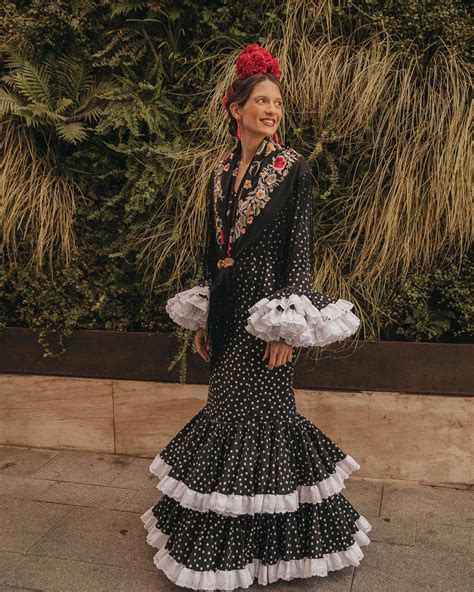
(251, 489)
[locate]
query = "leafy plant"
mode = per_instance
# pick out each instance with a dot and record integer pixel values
(434, 306)
(42, 107)
(98, 180)
(60, 93)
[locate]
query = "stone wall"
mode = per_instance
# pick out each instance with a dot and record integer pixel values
(413, 437)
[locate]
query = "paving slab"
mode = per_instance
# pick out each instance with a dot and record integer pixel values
(10, 589)
(100, 496)
(400, 568)
(8, 561)
(397, 532)
(23, 522)
(21, 487)
(94, 535)
(451, 538)
(147, 581)
(137, 476)
(52, 573)
(84, 467)
(17, 460)
(365, 496)
(425, 503)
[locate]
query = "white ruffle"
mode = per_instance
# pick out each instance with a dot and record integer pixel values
(300, 323)
(235, 505)
(190, 308)
(265, 574)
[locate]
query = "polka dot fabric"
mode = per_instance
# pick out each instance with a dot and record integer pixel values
(251, 489)
(294, 312)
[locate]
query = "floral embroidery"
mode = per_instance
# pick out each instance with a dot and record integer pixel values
(270, 147)
(268, 180)
(219, 195)
(279, 163)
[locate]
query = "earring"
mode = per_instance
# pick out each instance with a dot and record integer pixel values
(275, 138)
(237, 133)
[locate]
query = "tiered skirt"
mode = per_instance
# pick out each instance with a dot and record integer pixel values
(277, 513)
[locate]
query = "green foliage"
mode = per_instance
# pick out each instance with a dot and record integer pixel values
(40, 26)
(154, 57)
(424, 25)
(140, 124)
(61, 93)
(436, 306)
(81, 296)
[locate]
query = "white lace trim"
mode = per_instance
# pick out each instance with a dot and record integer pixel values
(265, 574)
(189, 308)
(300, 323)
(234, 505)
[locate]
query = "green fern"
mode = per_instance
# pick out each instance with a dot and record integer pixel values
(71, 132)
(62, 93)
(125, 8)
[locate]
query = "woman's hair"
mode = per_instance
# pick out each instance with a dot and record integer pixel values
(241, 91)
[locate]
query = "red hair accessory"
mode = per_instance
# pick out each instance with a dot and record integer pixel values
(227, 97)
(252, 59)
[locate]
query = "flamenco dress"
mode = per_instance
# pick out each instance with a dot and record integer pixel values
(250, 488)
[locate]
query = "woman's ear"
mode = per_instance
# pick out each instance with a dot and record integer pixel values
(234, 109)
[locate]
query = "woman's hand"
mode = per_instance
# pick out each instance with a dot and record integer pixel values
(278, 353)
(201, 344)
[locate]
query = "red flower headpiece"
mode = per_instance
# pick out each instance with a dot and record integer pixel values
(252, 59)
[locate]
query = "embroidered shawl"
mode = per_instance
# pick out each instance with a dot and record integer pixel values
(262, 191)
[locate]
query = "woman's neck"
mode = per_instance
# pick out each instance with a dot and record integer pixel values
(249, 147)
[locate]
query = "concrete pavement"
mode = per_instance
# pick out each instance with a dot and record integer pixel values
(69, 522)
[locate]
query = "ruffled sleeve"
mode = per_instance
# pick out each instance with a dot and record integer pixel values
(301, 316)
(189, 308)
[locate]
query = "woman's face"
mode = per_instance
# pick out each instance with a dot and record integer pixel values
(262, 112)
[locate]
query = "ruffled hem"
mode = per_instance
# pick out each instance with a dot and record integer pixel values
(302, 465)
(263, 573)
(234, 505)
(190, 308)
(299, 322)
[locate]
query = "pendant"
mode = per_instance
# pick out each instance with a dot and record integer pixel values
(227, 262)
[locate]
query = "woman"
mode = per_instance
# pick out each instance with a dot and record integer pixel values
(251, 488)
